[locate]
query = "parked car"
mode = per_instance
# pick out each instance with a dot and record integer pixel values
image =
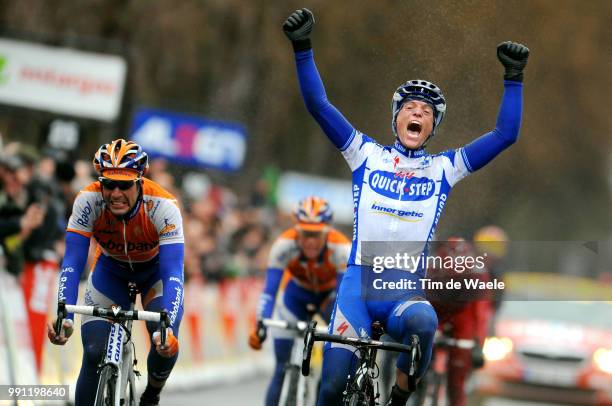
(552, 351)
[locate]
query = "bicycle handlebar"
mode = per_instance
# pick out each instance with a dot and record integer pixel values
(462, 343)
(362, 342)
(312, 335)
(300, 326)
(114, 314)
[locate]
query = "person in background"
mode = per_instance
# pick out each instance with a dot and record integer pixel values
(493, 241)
(19, 215)
(463, 314)
(306, 264)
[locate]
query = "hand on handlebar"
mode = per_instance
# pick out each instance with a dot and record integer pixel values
(478, 359)
(170, 348)
(65, 333)
(258, 335)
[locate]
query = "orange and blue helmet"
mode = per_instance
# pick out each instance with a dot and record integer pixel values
(313, 214)
(121, 160)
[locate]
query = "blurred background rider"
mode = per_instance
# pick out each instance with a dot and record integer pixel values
(305, 267)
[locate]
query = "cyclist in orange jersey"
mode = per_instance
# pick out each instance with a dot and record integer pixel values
(138, 228)
(305, 266)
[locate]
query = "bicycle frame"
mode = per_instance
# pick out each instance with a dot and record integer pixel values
(363, 384)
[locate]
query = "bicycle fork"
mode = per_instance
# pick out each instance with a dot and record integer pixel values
(120, 354)
(114, 356)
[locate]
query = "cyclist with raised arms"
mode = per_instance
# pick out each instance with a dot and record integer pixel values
(305, 266)
(399, 192)
(139, 231)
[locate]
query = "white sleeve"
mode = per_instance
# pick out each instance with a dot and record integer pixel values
(357, 149)
(85, 212)
(455, 167)
(169, 222)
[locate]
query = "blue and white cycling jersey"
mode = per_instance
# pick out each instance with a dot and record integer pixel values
(399, 194)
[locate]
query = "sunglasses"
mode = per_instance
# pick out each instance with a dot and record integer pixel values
(110, 184)
(311, 234)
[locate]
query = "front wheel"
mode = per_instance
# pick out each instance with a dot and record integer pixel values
(130, 395)
(105, 396)
(357, 399)
(289, 395)
(362, 393)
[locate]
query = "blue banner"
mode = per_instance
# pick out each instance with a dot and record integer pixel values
(190, 140)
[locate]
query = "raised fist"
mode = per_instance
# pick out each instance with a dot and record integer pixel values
(514, 58)
(298, 26)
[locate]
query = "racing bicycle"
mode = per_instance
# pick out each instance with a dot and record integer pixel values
(361, 388)
(295, 390)
(117, 382)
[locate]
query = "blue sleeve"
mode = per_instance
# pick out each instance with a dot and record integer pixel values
(75, 258)
(171, 257)
(336, 127)
(268, 296)
(481, 151)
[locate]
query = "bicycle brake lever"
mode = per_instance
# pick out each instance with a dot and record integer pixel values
(309, 340)
(163, 324)
(262, 332)
(61, 315)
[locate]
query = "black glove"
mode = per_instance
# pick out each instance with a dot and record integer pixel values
(258, 335)
(514, 58)
(297, 28)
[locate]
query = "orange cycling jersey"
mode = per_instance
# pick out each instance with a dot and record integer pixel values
(317, 275)
(156, 221)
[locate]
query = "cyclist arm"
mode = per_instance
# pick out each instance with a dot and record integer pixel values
(482, 150)
(283, 249)
(85, 212)
(171, 260)
(332, 122)
(267, 298)
(75, 258)
(169, 224)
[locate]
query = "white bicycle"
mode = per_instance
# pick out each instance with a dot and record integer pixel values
(117, 383)
(296, 389)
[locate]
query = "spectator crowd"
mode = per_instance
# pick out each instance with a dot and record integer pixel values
(227, 235)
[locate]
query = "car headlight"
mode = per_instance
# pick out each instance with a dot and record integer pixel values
(497, 348)
(603, 359)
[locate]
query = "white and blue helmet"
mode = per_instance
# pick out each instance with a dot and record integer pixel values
(419, 90)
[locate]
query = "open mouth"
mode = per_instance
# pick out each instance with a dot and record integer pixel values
(414, 126)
